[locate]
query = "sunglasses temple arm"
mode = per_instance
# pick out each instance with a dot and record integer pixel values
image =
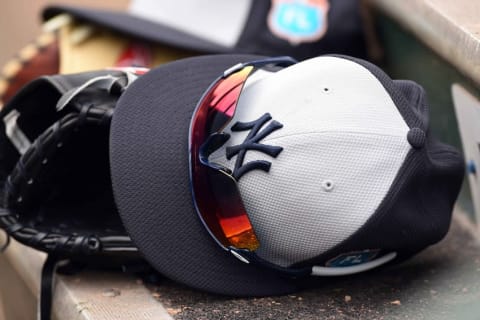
(316, 270)
(255, 259)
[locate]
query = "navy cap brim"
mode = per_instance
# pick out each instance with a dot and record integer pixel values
(137, 28)
(150, 175)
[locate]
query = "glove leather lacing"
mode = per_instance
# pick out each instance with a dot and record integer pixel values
(58, 245)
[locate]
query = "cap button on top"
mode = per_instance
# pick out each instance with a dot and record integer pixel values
(416, 137)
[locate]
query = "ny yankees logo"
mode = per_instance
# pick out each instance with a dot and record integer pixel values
(252, 142)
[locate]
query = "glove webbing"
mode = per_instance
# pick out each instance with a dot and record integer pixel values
(44, 147)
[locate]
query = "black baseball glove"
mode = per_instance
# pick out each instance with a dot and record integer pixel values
(54, 172)
(54, 168)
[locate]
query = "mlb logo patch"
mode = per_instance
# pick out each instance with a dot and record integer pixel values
(353, 258)
(298, 21)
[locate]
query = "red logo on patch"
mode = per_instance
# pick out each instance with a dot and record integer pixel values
(135, 55)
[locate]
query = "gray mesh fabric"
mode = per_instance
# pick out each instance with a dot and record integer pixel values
(350, 135)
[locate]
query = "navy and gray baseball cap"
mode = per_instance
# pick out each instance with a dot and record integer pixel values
(301, 29)
(359, 179)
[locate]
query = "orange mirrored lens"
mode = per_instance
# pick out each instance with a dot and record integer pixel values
(224, 96)
(231, 215)
(239, 232)
(216, 194)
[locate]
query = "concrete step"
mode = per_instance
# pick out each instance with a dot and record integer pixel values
(442, 282)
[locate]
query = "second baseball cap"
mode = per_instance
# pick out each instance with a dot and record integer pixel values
(301, 29)
(241, 175)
